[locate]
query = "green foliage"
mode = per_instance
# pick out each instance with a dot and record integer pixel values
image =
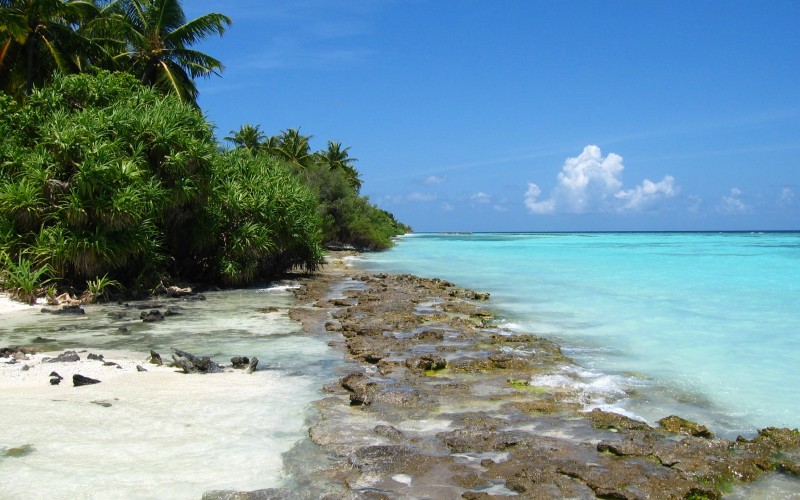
(266, 219)
(24, 280)
(97, 289)
(157, 40)
(104, 176)
(349, 219)
(107, 182)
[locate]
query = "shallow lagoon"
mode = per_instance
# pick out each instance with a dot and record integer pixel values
(705, 325)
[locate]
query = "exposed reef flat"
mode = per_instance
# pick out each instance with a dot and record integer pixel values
(438, 403)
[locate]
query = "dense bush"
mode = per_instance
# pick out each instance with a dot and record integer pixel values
(100, 175)
(265, 217)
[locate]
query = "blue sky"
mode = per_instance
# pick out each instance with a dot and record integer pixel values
(522, 115)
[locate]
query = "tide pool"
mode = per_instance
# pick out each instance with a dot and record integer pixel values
(704, 325)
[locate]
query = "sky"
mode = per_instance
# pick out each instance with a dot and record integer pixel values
(525, 115)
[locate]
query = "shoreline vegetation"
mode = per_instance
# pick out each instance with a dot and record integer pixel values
(112, 182)
(109, 188)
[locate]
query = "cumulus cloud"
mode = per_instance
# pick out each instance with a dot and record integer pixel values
(538, 207)
(435, 179)
(733, 203)
(592, 182)
(642, 196)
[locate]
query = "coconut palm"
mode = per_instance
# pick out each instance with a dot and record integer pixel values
(336, 158)
(158, 40)
(248, 137)
(293, 147)
(39, 37)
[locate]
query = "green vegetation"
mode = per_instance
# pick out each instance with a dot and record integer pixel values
(348, 219)
(114, 181)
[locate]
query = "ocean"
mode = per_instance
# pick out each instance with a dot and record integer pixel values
(703, 325)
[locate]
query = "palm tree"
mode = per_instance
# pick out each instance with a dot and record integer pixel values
(38, 37)
(248, 137)
(336, 158)
(293, 147)
(158, 38)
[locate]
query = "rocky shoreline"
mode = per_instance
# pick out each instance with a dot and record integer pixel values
(438, 403)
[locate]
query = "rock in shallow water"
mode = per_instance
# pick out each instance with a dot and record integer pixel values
(240, 361)
(190, 363)
(65, 357)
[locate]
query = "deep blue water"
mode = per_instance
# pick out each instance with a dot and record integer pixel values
(706, 325)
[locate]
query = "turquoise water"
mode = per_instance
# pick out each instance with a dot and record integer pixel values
(706, 325)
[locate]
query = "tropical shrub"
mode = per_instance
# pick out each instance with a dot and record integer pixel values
(265, 217)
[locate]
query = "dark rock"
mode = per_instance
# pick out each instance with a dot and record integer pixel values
(269, 309)
(79, 380)
(194, 298)
(608, 420)
(42, 340)
(430, 336)
(117, 315)
(123, 329)
(155, 358)
(55, 378)
(104, 404)
(65, 310)
(144, 305)
(140, 368)
(152, 315)
(388, 431)
(111, 363)
(251, 367)
(783, 439)
(426, 362)
(174, 311)
(190, 363)
(361, 388)
(373, 357)
(678, 425)
(98, 357)
(65, 357)
(240, 361)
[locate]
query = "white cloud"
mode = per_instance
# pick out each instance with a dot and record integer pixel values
(786, 198)
(733, 203)
(649, 192)
(591, 182)
(481, 198)
(435, 179)
(447, 207)
(538, 207)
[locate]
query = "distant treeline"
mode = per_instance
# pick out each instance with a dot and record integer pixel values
(104, 181)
